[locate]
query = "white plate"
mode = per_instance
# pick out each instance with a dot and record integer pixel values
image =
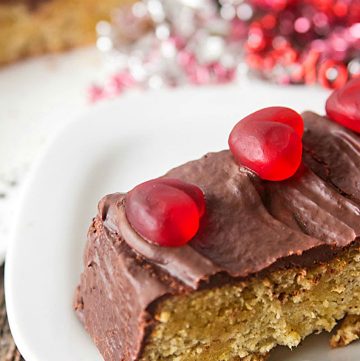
(112, 148)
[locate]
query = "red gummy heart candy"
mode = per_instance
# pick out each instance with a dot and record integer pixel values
(165, 211)
(269, 142)
(343, 105)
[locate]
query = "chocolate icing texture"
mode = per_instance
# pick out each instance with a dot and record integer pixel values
(250, 225)
(183, 263)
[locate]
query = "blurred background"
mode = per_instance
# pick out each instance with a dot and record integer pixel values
(58, 58)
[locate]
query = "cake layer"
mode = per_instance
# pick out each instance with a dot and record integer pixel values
(252, 317)
(253, 231)
(348, 331)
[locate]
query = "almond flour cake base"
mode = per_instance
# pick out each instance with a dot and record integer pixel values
(348, 331)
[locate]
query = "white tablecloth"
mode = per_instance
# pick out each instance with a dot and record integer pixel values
(36, 97)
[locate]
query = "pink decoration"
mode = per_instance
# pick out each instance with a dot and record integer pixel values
(285, 41)
(96, 93)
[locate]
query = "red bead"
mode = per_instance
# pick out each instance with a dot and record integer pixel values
(333, 74)
(269, 142)
(268, 22)
(275, 5)
(96, 93)
(341, 9)
(165, 211)
(221, 74)
(309, 66)
(256, 40)
(343, 105)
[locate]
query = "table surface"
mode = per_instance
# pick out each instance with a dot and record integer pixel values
(8, 350)
(36, 97)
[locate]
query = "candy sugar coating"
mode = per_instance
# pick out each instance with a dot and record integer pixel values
(165, 211)
(343, 105)
(269, 142)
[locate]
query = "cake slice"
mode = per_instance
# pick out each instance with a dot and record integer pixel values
(272, 263)
(33, 27)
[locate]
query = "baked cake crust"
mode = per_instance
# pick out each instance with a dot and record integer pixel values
(254, 234)
(348, 331)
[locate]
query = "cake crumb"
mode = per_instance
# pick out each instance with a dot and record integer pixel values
(348, 331)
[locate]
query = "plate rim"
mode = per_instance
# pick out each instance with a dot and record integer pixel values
(31, 178)
(21, 344)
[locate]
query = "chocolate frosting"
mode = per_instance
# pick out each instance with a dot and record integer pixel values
(250, 225)
(183, 263)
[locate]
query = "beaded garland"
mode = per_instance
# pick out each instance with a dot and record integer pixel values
(156, 43)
